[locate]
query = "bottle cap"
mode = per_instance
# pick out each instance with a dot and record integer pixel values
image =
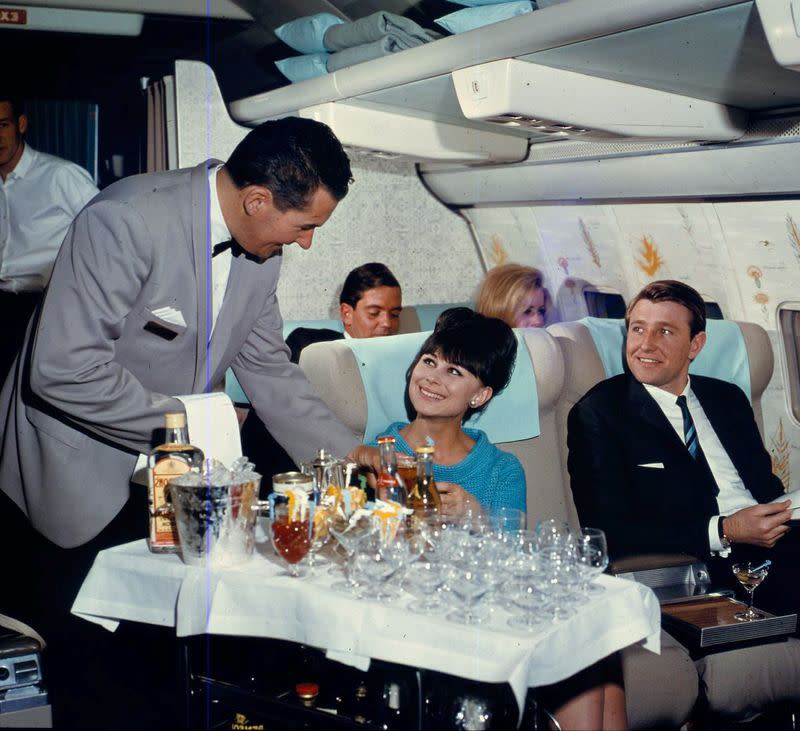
(386, 440)
(307, 691)
(175, 420)
(424, 450)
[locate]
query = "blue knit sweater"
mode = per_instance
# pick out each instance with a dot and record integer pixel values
(494, 477)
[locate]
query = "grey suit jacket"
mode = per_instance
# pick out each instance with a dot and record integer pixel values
(100, 371)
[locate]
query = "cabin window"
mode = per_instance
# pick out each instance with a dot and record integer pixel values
(713, 311)
(604, 303)
(789, 330)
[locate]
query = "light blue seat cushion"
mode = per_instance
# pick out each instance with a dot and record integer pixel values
(428, 314)
(383, 362)
(306, 34)
(724, 355)
(470, 18)
(300, 68)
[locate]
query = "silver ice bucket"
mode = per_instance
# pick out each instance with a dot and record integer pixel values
(216, 523)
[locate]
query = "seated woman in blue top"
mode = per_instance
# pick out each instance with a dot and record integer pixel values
(466, 361)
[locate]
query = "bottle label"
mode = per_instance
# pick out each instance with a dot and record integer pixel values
(163, 529)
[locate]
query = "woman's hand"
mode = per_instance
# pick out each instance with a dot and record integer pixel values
(456, 501)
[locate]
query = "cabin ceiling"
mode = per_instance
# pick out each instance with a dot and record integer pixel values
(234, 36)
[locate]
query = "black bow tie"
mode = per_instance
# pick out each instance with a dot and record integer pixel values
(236, 250)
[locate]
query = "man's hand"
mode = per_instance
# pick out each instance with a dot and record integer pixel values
(760, 525)
(365, 456)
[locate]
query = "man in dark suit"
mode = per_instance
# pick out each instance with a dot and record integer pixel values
(369, 305)
(667, 463)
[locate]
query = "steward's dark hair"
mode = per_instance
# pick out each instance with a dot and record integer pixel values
(670, 290)
(367, 276)
(291, 157)
(484, 346)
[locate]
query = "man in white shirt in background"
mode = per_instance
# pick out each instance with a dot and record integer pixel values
(40, 194)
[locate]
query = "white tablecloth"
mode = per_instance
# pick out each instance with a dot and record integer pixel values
(257, 599)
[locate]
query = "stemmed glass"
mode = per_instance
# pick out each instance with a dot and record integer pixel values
(592, 557)
(425, 578)
(750, 574)
(349, 537)
(552, 533)
(469, 582)
(289, 535)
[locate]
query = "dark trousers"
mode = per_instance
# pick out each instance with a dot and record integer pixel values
(15, 311)
(95, 678)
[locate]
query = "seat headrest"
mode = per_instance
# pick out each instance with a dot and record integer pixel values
(724, 355)
(428, 314)
(383, 362)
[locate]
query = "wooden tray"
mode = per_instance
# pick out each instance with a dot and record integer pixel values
(708, 622)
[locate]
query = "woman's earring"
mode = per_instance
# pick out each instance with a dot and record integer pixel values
(473, 403)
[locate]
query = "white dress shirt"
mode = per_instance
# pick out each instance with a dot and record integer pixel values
(733, 495)
(38, 201)
(221, 263)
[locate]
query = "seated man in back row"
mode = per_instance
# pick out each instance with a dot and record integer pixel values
(369, 305)
(667, 463)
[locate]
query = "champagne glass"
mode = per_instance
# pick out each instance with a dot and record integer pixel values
(750, 574)
(592, 556)
(425, 579)
(290, 536)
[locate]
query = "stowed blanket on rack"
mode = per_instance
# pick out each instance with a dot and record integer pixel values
(361, 40)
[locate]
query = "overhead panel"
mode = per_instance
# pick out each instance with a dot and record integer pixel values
(568, 104)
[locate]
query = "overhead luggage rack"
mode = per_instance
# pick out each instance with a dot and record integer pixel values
(682, 70)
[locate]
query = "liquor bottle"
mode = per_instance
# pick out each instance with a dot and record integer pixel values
(389, 485)
(423, 497)
(172, 458)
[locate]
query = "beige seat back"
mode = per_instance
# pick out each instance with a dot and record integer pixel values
(333, 372)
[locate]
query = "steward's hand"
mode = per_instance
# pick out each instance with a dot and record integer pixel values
(364, 456)
(760, 525)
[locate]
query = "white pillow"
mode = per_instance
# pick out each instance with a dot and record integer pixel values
(300, 68)
(306, 34)
(470, 18)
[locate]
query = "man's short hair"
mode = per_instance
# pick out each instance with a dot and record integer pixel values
(670, 290)
(292, 158)
(17, 105)
(363, 278)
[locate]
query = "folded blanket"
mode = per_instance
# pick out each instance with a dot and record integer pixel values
(404, 33)
(364, 52)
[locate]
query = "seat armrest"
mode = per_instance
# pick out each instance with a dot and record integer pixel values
(649, 561)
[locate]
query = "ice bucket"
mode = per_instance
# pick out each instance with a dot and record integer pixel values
(216, 523)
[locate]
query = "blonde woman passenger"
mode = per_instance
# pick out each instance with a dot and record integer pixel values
(515, 294)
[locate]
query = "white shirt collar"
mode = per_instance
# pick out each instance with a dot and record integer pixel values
(25, 163)
(666, 399)
(219, 230)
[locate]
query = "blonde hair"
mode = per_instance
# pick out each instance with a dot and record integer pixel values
(504, 289)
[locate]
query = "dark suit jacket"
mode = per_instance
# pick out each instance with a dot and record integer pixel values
(617, 427)
(301, 337)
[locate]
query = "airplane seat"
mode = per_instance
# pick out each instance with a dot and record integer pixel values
(334, 373)
(420, 318)
(736, 683)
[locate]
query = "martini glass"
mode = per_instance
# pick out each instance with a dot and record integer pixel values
(750, 574)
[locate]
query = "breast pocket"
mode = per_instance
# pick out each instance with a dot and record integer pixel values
(159, 327)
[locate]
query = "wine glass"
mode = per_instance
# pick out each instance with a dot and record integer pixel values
(552, 533)
(592, 556)
(469, 582)
(750, 574)
(289, 535)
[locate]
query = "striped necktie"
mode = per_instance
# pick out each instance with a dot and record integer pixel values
(689, 432)
(693, 444)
